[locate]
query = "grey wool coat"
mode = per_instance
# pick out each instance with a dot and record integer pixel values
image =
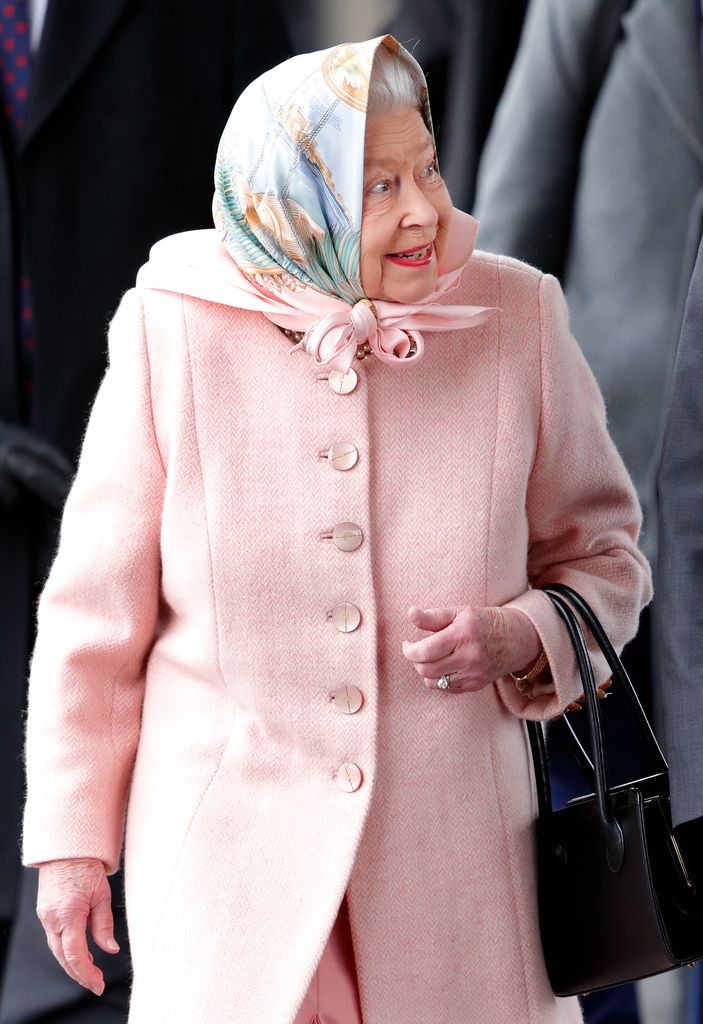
(679, 616)
(609, 199)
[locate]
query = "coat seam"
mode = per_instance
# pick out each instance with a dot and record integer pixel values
(540, 418)
(511, 872)
(495, 446)
(181, 848)
(223, 747)
(119, 674)
(216, 614)
(150, 393)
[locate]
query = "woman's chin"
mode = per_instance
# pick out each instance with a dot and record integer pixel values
(411, 290)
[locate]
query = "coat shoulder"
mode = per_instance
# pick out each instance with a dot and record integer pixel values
(172, 305)
(169, 318)
(505, 266)
(510, 284)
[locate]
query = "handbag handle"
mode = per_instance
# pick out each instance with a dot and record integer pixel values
(612, 833)
(617, 668)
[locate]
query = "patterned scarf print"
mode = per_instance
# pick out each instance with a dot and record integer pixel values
(289, 171)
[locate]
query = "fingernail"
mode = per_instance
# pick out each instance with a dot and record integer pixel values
(111, 944)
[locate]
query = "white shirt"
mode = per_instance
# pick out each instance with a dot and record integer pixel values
(37, 15)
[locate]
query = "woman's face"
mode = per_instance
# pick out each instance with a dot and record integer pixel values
(406, 208)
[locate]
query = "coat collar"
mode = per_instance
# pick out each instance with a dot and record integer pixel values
(73, 32)
(666, 37)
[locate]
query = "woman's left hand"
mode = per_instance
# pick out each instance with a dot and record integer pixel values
(475, 646)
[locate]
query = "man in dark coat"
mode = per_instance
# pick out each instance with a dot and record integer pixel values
(126, 103)
(593, 171)
(679, 615)
(679, 618)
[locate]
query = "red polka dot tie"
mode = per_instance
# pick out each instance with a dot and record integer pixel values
(15, 57)
(15, 65)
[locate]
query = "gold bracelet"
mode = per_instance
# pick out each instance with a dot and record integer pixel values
(538, 667)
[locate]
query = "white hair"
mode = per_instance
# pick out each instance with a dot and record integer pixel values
(394, 84)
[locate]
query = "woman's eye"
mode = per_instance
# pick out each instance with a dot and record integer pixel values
(429, 171)
(379, 187)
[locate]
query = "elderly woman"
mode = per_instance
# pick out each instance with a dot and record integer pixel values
(295, 625)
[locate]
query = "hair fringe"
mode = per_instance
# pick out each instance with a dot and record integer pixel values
(394, 84)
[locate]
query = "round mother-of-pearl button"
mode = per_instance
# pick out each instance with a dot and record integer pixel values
(347, 536)
(348, 698)
(346, 617)
(343, 383)
(342, 455)
(349, 776)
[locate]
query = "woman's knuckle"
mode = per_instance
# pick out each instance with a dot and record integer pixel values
(463, 633)
(49, 918)
(466, 629)
(471, 661)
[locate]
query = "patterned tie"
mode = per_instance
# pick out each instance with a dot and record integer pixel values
(15, 65)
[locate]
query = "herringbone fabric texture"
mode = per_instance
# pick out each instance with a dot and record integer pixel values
(185, 656)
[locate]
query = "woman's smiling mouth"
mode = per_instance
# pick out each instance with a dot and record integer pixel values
(413, 257)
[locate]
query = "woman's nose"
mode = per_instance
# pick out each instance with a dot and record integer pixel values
(418, 211)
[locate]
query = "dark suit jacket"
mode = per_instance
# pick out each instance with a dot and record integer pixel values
(679, 617)
(613, 207)
(465, 48)
(127, 103)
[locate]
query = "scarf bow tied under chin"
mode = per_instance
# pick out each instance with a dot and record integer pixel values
(390, 328)
(333, 340)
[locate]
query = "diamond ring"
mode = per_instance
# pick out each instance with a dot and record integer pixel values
(443, 681)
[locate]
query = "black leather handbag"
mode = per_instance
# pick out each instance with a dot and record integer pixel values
(616, 899)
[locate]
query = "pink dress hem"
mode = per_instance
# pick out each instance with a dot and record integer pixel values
(333, 994)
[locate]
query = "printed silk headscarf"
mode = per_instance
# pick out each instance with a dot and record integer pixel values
(288, 202)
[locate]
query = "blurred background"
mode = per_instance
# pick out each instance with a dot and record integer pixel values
(316, 24)
(573, 129)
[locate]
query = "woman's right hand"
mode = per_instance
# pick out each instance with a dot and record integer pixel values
(71, 894)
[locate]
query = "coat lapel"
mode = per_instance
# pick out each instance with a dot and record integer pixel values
(666, 36)
(73, 33)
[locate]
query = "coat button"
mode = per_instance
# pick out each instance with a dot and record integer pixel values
(342, 455)
(346, 617)
(348, 698)
(342, 383)
(349, 776)
(347, 536)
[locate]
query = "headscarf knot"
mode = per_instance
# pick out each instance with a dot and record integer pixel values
(333, 340)
(364, 320)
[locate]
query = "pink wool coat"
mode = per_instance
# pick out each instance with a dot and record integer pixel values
(186, 653)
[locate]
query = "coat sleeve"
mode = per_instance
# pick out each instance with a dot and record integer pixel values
(96, 619)
(679, 609)
(529, 169)
(583, 515)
